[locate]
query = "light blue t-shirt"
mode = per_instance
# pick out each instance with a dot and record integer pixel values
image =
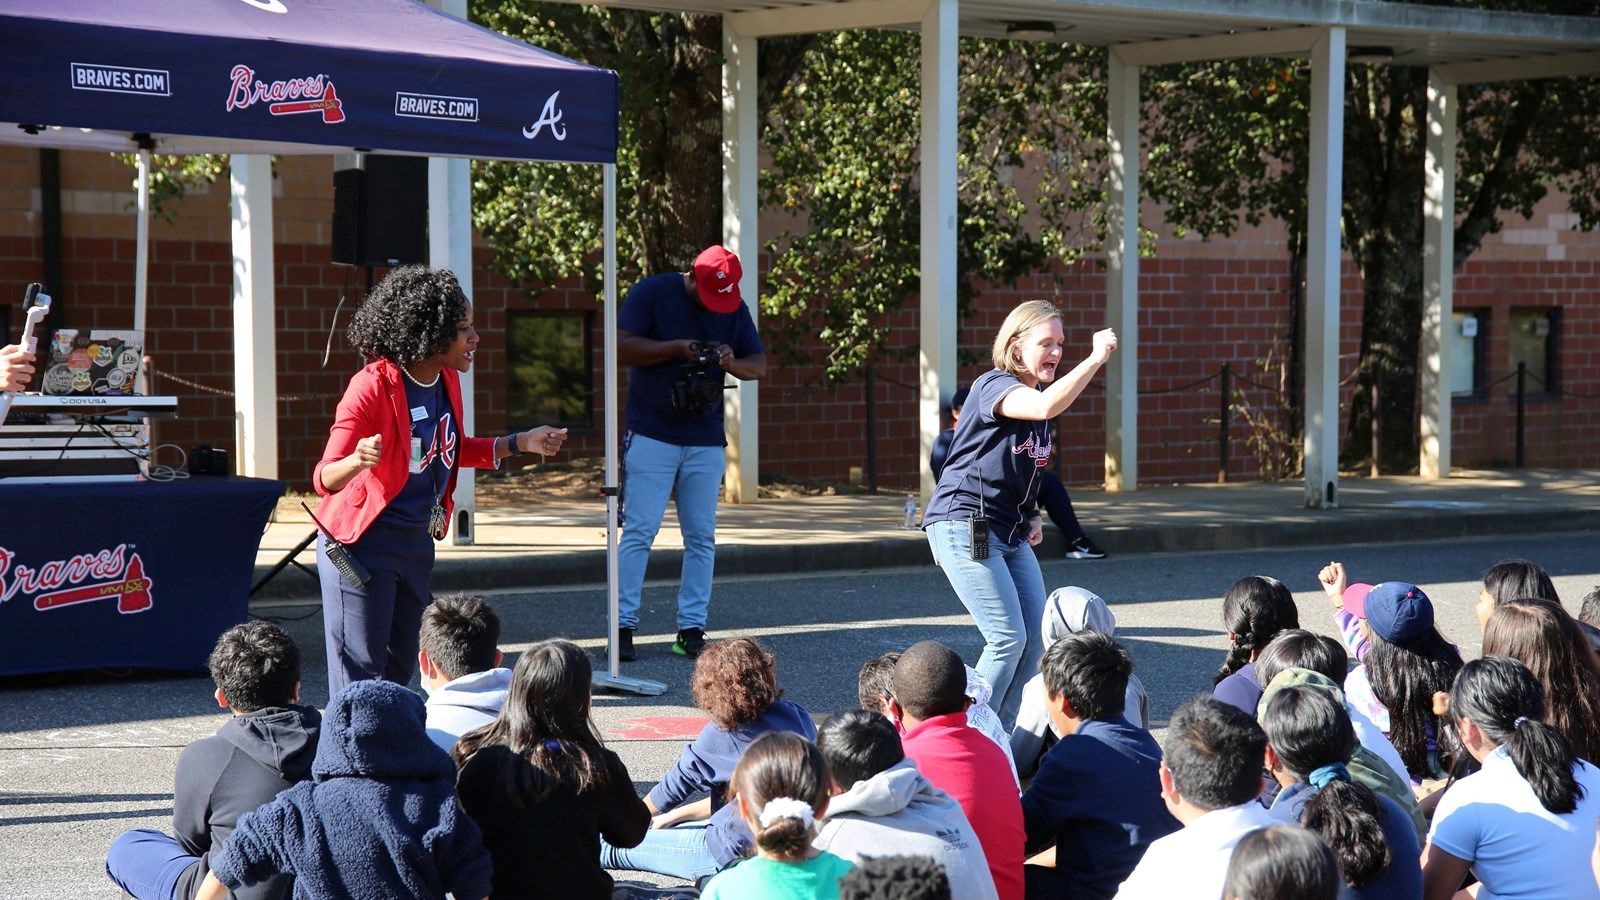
(814, 879)
(1519, 849)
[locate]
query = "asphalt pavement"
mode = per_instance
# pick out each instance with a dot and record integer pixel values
(84, 757)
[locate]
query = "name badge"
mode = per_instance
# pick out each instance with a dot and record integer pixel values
(416, 455)
(418, 413)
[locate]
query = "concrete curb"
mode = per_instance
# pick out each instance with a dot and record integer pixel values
(587, 566)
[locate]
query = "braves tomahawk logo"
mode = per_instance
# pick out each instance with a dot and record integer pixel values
(551, 116)
(106, 574)
(1038, 451)
(313, 94)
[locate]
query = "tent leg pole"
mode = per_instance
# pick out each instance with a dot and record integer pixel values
(613, 679)
(141, 262)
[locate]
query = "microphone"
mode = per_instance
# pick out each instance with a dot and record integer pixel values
(37, 304)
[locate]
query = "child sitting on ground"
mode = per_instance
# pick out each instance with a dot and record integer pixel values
(895, 878)
(736, 682)
(1309, 744)
(378, 820)
(263, 750)
(1254, 610)
(460, 664)
(883, 805)
(781, 788)
(1525, 823)
(1097, 797)
(1281, 862)
(541, 786)
(1210, 776)
(873, 690)
(1068, 610)
(930, 703)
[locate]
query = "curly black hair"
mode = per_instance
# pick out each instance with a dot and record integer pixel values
(410, 316)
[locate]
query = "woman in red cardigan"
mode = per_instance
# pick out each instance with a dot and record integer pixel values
(388, 472)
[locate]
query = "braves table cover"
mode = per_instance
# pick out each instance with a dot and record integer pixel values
(137, 574)
(299, 76)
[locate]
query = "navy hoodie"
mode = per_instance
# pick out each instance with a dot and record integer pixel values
(707, 765)
(378, 820)
(249, 761)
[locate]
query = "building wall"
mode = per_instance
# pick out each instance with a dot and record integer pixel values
(1203, 303)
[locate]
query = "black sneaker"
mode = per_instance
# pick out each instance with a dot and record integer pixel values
(690, 642)
(1083, 548)
(625, 644)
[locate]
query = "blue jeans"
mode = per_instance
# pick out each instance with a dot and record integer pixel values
(1005, 595)
(147, 863)
(679, 851)
(652, 471)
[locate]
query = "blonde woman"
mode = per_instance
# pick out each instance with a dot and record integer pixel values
(984, 517)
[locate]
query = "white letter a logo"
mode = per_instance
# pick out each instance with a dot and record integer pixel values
(550, 116)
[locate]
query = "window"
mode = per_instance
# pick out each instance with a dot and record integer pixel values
(1533, 342)
(549, 377)
(1470, 336)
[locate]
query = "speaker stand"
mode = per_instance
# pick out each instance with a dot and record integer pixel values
(287, 561)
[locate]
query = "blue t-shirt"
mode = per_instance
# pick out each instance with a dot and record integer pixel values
(433, 423)
(994, 463)
(1097, 798)
(660, 308)
(1403, 877)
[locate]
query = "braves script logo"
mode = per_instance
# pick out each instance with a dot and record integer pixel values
(84, 578)
(286, 98)
(446, 452)
(1037, 451)
(551, 115)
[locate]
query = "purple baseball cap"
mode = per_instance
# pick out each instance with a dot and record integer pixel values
(1398, 612)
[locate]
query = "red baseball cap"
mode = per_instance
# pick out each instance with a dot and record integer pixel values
(716, 279)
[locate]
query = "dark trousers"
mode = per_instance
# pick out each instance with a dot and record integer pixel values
(371, 630)
(1058, 506)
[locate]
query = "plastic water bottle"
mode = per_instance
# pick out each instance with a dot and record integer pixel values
(911, 512)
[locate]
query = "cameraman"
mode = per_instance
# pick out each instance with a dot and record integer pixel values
(680, 331)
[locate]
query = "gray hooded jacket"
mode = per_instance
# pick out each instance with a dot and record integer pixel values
(897, 812)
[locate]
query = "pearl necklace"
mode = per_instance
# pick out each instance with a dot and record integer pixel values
(413, 380)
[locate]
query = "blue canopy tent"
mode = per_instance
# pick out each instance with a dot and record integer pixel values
(310, 77)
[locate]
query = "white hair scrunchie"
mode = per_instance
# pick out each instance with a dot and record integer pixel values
(786, 808)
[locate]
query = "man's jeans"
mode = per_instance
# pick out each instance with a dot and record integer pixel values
(652, 471)
(1005, 594)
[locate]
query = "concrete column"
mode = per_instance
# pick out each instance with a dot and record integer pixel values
(1322, 270)
(255, 333)
(938, 307)
(1122, 279)
(1438, 277)
(740, 209)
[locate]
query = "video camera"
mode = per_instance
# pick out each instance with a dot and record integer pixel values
(699, 387)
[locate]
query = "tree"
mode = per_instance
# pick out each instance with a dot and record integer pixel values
(840, 118)
(844, 138)
(1517, 141)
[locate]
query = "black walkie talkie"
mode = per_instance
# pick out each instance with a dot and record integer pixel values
(345, 562)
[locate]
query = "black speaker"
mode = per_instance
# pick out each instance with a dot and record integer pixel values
(380, 212)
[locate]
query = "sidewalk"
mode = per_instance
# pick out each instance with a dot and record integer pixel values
(564, 542)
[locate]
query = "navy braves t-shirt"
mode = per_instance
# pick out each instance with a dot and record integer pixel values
(994, 463)
(433, 423)
(660, 308)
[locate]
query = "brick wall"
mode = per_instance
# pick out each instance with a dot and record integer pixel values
(1202, 302)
